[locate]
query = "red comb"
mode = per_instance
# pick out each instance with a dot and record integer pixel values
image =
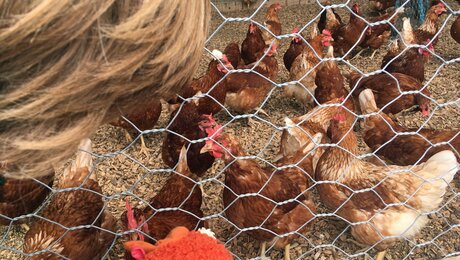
(356, 8)
(339, 117)
(327, 32)
(296, 29)
(342, 98)
(215, 131)
(132, 223)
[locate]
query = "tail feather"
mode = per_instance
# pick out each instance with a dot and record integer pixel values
(407, 32)
(182, 165)
(437, 172)
(367, 102)
(441, 165)
(83, 160)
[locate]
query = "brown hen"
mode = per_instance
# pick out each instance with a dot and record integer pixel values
(295, 48)
(388, 94)
(185, 125)
(232, 51)
(330, 82)
(272, 24)
(246, 91)
(392, 202)
(21, 196)
(430, 26)
(307, 130)
(329, 19)
(245, 176)
(377, 35)
(252, 44)
(380, 129)
(179, 192)
(351, 34)
(142, 117)
(410, 62)
(74, 209)
(209, 84)
(304, 69)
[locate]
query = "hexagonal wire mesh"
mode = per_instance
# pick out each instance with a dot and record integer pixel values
(329, 192)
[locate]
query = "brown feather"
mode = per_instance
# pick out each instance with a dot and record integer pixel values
(22, 196)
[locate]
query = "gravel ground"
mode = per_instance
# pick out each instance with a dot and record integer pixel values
(328, 238)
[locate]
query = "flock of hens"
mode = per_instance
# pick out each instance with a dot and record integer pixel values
(387, 197)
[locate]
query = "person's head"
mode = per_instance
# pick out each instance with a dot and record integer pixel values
(69, 66)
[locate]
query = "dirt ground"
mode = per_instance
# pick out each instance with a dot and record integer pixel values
(124, 169)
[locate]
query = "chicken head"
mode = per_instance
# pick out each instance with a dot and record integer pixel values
(426, 51)
(439, 9)
(252, 27)
(297, 39)
(225, 64)
(275, 7)
(134, 219)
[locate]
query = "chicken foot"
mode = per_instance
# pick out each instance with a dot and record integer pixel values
(252, 122)
(144, 148)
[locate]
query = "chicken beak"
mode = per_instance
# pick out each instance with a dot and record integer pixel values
(206, 148)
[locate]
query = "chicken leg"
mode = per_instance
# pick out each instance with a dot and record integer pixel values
(380, 255)
(373, 53)
(25, 226)
(358, 54)
(287, 255)
(202, 191)
(128, 137)
(144, 148)
(262, 250)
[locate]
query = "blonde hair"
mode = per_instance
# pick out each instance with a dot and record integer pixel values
(67, 66)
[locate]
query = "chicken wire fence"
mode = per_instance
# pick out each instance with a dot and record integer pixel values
(328, 233)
